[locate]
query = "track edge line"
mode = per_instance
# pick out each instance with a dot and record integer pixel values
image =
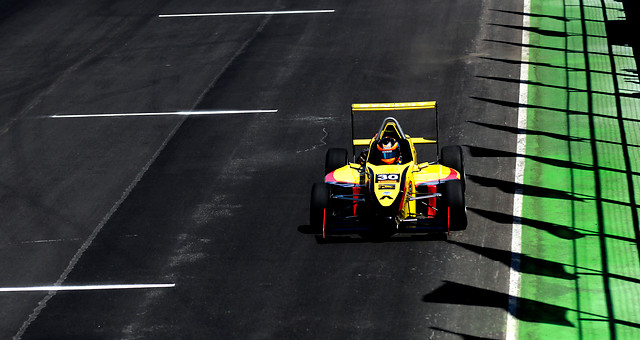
(521, 141)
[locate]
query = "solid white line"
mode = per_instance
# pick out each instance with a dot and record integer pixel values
(181, 113)
(89, 287)
(246, 13)
(521, 141)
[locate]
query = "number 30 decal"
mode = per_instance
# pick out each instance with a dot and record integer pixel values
(387, 177)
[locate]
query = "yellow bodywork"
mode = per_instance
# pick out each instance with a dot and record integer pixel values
(389, 184)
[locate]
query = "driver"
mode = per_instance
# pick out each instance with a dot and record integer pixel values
(389, 150)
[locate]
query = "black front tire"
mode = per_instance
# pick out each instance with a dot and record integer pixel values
(336, 158)
(455, 202)
(318, 210)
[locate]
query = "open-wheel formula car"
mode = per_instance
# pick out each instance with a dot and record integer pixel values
(386, 190)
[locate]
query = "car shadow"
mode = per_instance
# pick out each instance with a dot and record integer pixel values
(528, 310)
(368, 238)
(527, 264)
(561, 231)
(460, 335)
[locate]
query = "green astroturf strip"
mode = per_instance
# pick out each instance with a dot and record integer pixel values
(582, 177)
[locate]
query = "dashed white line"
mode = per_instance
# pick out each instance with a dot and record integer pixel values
(74, 260)
(52, 240)
(88, 287)
(246, 13)
(179, 113)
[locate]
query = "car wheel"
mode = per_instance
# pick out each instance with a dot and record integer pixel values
(451, 157)
(336, 158)
(455, 205)
(318, 210)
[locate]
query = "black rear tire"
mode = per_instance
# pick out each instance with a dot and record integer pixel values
(455, 202)
(318, 209)
(451, 157)
(336, 158)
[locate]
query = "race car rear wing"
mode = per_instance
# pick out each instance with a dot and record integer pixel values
(394, 107)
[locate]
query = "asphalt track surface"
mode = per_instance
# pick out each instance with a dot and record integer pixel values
(218, 205)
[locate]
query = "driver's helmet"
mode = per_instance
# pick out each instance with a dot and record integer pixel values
(389, 150)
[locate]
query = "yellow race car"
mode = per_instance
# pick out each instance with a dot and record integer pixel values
(387, 190)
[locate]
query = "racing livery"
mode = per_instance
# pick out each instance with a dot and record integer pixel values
(387, 190)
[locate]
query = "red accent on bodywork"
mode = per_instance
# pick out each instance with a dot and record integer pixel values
(355, 191)
(448, 220)
(324, 217)
(452, 175)
(431, 212)
(329, 178)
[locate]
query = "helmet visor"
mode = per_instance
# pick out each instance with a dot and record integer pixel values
(389, 154)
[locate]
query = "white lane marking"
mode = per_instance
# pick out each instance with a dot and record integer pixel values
(245, 13)
(179, 113)
(89, 287)
(52, 241)
(521, 141)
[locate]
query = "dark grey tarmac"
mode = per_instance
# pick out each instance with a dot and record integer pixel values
(218, 205)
